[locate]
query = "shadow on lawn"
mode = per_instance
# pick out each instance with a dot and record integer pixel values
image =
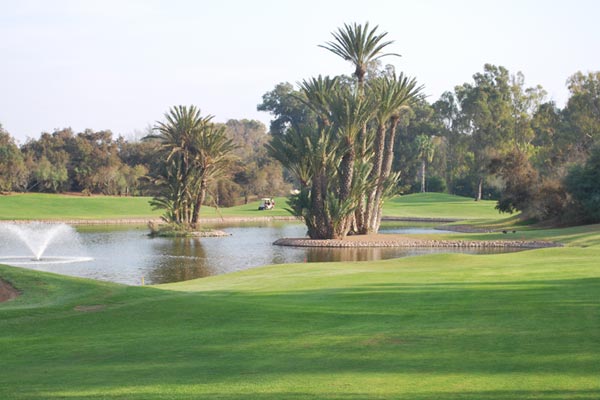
(537, 329)
(442, 395)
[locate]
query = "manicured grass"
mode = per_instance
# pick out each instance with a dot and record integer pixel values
(56, 206)
(447, 326)
(582, 236)
(31, 206)
(439, 205)
(249, 210)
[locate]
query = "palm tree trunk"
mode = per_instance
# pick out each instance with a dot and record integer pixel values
(479, 189)
(386, 169)
(346, 175)
(198, 204)
(374, 176)
(423, 176)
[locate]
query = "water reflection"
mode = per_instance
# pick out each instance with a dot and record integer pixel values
(125, 254)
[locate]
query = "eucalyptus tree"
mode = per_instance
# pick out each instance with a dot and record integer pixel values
(13, 172)
(486, 115)
(582, 114)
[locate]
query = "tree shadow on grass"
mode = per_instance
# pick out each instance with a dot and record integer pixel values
(539, 329)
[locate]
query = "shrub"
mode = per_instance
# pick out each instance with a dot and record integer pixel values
(436, 184)
(583, 183)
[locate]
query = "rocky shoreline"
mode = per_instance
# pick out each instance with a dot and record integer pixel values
(386, 240)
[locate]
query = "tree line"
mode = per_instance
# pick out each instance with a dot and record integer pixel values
(95, 162)
(345, 143)
(492, 138)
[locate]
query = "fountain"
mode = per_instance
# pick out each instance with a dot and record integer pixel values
(36, 238)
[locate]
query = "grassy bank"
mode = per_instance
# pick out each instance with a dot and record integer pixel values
(35, 206)
(32, 206)
(439, 205)
(512, 326)
(41, 206)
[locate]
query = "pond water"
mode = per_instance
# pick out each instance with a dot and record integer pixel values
(125, 254)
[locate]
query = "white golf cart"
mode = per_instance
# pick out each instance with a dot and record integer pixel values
(267, 203)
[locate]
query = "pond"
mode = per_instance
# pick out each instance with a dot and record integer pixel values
(125, 254)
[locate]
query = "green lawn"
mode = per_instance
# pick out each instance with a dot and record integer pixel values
(512, 326)
(31, 206)
(439, 205)
(56, 206)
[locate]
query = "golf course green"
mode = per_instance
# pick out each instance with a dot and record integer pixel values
(522, 325)
(41, 206)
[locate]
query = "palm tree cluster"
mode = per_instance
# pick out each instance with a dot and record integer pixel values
(194, 153)
(343, 160)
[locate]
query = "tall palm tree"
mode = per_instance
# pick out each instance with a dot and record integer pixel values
(210, 150)
(426, 148)
(194, 152)
(359, 45)
(317, 94)
(391, 94)
(350, 113)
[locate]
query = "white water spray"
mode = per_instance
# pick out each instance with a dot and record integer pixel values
(38, 237)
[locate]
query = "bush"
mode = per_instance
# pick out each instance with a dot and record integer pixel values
(436, 184)
(464, 186)
(551, 202)
(583, 183)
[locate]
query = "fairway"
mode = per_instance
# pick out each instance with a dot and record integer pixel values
(35, 206)
(40, 206)
(439, 205)
(522, 325)
(447, 326)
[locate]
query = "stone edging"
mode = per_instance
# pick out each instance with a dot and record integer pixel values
(408, 242)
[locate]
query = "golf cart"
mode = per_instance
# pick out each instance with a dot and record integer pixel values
(267, 203)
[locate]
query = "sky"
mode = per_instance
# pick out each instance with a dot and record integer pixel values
(120, 65)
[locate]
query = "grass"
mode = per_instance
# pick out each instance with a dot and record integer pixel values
(447, 326)
(32, 206)
(36, 206)
(439, 205)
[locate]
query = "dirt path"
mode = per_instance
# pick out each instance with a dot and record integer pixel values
(7, 291)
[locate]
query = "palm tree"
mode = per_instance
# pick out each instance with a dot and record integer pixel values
(317, 94)
(210, 150)
(391, 94)
(195, 152)
(350, 113)
(360, 46)
(426, 148)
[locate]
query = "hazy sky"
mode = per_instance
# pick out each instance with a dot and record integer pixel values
(120, 65)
